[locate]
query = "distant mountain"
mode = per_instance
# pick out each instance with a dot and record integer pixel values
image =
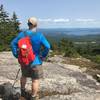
(71, 31)
(74, 34)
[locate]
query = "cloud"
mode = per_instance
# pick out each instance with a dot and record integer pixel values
(45, 20)
(59, 20)
(65, 22)
(85, 20)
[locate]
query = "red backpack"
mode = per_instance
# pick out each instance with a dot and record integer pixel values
(26, 54)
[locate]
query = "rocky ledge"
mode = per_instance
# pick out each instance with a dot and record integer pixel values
(60, 81)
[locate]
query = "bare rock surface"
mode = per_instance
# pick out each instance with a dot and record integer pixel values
(60, 81)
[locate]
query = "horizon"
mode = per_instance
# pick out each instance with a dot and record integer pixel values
(71, 31)
(66, 28)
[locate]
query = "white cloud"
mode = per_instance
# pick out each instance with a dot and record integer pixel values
(59, 20)
(85, 20)
(45, 20)
(65, 22)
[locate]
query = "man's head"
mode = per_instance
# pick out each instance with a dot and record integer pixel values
(32, 22)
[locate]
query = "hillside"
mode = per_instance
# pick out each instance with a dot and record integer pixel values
(62, 81)
(74, 34)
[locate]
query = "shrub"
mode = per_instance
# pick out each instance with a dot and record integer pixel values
(97, 58)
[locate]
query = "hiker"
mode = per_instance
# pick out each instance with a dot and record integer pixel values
(34, 69)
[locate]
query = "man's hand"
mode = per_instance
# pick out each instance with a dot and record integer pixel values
(42, 58)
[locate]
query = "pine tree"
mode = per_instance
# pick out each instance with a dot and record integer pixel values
(3, 15)
(15, 22)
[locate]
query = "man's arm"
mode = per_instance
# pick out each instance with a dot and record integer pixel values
(46, 45)
(14, 45)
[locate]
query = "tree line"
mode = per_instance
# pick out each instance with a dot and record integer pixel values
(68, 48)
(9, 27)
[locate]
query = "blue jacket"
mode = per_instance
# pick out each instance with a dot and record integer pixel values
(37, 40)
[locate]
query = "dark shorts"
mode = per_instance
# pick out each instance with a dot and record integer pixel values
(35, 73)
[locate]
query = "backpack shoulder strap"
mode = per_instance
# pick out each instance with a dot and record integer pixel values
(25, 34)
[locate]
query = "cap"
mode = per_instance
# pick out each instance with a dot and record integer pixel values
(33, 21)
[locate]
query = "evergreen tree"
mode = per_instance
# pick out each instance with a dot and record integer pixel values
(15, 22)
(3, 15)
(67, 48)
(9, 27)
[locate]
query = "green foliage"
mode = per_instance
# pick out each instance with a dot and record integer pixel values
(71, 52)
(70, 49)
(9, 28)
(64, 44)
(65, 47)
(97, 59)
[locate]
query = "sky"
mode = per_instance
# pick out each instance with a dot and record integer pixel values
(56, 13)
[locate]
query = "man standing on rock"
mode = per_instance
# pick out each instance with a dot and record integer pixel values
(34, 69)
